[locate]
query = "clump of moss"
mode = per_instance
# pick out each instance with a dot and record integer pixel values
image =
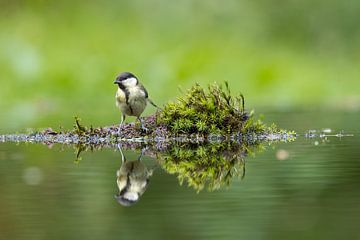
(214, 111)
(78, 128)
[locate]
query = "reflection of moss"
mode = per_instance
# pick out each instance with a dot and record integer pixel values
(211, 165)
(198, 111)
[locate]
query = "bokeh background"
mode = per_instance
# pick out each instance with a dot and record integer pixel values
(58, 59)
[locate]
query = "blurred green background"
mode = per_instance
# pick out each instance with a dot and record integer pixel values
(59, 58)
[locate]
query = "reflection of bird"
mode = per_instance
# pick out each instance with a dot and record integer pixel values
(131, 97)
(132, 180)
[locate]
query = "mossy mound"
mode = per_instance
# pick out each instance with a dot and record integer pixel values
(203, 112)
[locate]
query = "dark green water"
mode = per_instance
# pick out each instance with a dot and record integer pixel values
(313, 193)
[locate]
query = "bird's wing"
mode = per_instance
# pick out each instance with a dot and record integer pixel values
(147, 96)
(142, 88)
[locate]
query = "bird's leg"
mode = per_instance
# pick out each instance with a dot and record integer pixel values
(122, 154)
(121, 123)
(142, 124)
(142, 153)
(123, 159)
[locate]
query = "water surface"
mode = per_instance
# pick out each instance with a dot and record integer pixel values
(306, 189)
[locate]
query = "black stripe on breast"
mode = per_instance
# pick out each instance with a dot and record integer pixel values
(127, 93)
(127, 186)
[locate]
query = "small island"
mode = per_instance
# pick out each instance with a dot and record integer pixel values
(200, 115)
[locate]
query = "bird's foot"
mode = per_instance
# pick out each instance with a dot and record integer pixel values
(118, 132)
(144, 129)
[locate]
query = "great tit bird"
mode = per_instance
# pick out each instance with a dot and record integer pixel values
(131, 97)
(132, 180)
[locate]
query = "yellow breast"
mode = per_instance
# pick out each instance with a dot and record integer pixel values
(120, 96)
(136, 101)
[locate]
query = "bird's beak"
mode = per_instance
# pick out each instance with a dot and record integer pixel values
(116, 81)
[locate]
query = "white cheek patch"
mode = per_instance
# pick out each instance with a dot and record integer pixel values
(129, 82)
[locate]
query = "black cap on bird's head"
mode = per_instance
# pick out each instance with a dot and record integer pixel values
(123, 76)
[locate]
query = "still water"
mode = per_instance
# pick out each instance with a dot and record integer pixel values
(305, 189)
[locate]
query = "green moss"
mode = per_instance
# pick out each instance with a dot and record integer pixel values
(206, 166)
(78, 128)
(213, 111)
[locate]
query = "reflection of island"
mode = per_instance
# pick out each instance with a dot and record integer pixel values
(132, 180)
(210, 165)
(201, 165)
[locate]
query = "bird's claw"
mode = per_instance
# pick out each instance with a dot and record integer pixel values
(118, 132)
(144, 129)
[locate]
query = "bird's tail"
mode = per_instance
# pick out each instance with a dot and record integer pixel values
(152, 103)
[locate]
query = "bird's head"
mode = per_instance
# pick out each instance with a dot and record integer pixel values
(126, 79)
(132, 181)
(127, 198)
